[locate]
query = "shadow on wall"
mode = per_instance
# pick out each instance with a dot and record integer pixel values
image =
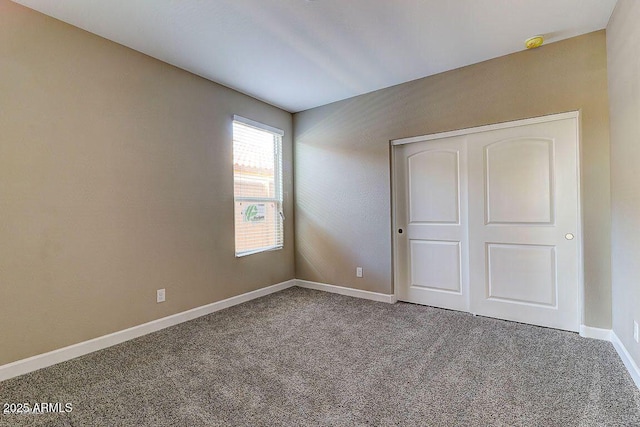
(331, 218)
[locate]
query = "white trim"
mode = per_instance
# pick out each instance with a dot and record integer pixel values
(357, 293)
(628, 361)
(40, 361)
(595, 333)
(623, 353)
(581, 293)
(394, 221)
(486, 128)
(257, 125)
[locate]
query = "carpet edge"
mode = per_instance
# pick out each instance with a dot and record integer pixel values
(39, 361)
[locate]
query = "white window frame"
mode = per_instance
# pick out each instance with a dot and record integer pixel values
(278, 193)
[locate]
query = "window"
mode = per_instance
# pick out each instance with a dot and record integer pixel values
(257, 186)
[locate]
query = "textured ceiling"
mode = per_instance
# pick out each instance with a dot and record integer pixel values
(299, 54)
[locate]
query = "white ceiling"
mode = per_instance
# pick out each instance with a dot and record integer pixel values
(299, 54)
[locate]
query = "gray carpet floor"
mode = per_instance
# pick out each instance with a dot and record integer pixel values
(303, 357)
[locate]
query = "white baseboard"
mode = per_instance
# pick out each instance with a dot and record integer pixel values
(609, 335)
(357, 293)
(628, 361)
(596, 333)
(40, 361)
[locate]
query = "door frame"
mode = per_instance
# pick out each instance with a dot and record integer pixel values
(485, 128)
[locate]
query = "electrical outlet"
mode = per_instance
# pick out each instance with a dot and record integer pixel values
(160, 295)
(358, 271)
(636, 332)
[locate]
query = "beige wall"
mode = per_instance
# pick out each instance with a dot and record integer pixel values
(115, 180)
(342, 157)
(623, 51)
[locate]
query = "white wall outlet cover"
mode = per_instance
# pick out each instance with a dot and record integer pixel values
(358, 271)
(160, 295)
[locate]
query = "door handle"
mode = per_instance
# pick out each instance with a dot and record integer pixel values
(400, 230)
(569, 236)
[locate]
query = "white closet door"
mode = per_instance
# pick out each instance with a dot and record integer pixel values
(431, 224)
(489, 221)
(523, 224)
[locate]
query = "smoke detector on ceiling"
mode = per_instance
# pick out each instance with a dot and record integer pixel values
(534, 42)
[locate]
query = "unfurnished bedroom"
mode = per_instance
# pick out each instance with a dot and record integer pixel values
(319, 213)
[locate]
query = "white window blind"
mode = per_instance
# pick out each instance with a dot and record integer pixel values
(257, 179)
